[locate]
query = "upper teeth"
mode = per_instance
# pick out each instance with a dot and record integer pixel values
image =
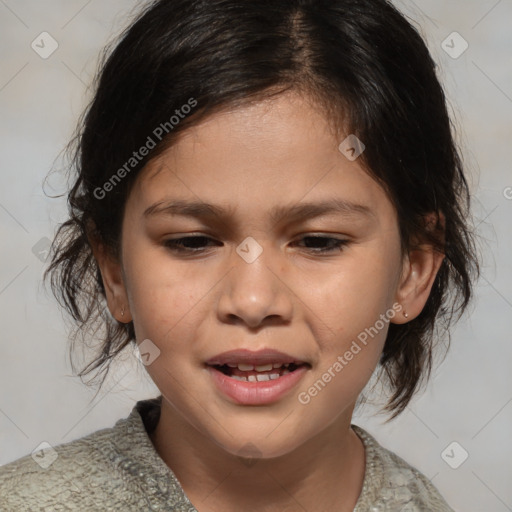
(259, 368)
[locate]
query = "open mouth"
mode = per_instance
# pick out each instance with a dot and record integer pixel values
(260, 377)
(246, 372)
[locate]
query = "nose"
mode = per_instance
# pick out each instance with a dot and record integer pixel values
(254, 294)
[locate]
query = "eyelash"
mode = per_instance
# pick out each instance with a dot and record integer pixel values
(176, 244)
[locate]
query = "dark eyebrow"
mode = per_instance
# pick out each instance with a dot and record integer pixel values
(185, 208)
(199, 209)
(312, 210)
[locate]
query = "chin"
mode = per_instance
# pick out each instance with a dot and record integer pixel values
(253, 444)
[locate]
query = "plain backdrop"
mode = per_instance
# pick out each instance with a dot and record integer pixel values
(469, 398)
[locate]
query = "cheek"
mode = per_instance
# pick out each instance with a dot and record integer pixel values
(351, 297)
(164, 297)
(350, 310)
(347, 358)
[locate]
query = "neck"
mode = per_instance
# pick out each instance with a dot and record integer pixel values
(325, 473)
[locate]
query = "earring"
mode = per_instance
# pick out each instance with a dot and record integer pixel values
(122, 311)
(406, 315)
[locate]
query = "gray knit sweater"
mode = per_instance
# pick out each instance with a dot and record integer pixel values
(118, 469)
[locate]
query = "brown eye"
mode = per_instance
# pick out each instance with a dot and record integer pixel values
(190, 244)
(323, 244)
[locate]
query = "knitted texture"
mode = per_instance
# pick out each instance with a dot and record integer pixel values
(118, 468)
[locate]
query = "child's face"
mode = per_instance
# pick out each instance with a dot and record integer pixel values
(311, 306)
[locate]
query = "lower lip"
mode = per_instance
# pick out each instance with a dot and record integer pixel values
(256, 393)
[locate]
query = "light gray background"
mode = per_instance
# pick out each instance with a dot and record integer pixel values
(469, 399)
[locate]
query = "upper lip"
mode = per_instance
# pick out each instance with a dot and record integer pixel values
(259, 357)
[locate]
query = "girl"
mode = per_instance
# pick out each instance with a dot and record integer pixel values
(269, 201)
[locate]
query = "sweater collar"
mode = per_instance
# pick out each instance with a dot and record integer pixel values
(163, 486)
(158, 484)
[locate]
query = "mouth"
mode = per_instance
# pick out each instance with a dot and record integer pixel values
(256, 378)
(247, 372)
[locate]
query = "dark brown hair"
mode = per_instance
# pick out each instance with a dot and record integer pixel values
(360, 60)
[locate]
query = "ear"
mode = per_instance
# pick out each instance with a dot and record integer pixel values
(419, 272)
(113, 281)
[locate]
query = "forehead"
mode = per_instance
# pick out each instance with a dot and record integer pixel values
(274, 152)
